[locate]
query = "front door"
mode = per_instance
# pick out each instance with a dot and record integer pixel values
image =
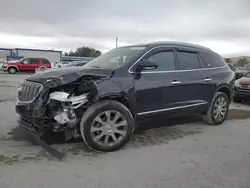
(24, 65)
(157, 90)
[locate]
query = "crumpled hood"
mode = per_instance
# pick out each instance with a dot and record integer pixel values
(61, 76)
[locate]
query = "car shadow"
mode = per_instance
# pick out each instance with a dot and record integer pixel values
(153, 132)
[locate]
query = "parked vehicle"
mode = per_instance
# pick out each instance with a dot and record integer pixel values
(242, 72)
(242, 88)
(26, 64)
(62, 64)
(103, 101)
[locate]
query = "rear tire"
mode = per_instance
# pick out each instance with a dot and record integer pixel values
(12, 70)
(42, 68)
(218, 109)
(107, 126)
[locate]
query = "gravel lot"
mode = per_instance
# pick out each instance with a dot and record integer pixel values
(181, 152)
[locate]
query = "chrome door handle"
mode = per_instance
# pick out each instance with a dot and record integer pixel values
(176, 82)
(208, 79)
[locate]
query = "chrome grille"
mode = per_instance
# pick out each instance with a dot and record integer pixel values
(28, 91)
(243, 89)
(245, 86)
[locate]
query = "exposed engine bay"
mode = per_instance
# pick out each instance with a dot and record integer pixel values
(65, 106)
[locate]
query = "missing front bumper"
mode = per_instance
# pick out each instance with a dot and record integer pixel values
(27, 127)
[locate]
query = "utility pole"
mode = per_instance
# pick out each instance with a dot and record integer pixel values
(116, 42)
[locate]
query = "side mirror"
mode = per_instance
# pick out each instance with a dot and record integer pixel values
(22, 63)
(147, 65)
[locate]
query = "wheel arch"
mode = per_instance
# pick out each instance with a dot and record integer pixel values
(225, 89)
(16, 67)
(120, 98)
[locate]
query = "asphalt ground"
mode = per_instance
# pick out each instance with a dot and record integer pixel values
(179, 152)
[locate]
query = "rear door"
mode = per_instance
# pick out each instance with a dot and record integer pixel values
(197, 85)
(34, 63)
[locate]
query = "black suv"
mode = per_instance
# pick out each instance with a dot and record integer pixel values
(103, 101)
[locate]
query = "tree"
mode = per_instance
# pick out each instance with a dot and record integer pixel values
(242, 62)
(84, 52)
(228, 60)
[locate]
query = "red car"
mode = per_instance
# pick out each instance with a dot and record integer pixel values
(26, 64)
(242, 88)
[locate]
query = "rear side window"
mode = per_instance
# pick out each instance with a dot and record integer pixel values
(164, 60)
(188, 60)
(45, 61)
(212, 60)
(34, 61)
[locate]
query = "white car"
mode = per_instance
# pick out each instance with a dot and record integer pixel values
(62, 64)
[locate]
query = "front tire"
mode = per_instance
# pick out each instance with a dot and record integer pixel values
(218, 109)
(12, 70)
(107, 126)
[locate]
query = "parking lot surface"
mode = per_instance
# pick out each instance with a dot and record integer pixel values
(180, 152)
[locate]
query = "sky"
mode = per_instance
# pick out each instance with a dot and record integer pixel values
(222, 25)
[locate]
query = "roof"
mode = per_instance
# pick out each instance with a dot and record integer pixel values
(171, 43)
(180, 44)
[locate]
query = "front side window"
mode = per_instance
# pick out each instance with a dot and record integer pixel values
(26, 61)
(164, 60)
(188, 61)
(34, 61)
(115, 58)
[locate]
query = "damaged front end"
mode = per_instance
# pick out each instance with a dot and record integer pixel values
(64, 112)
(55, 106)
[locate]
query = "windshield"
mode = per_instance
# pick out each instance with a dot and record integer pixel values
(115, 58)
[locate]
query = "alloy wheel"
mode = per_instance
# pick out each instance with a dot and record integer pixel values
(220, 109)
(109, 128)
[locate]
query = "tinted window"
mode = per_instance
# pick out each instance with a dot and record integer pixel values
(164, 60)
(188, 61)
(212, 60)
(201, 62)
(81, 64)
(231, 66)
(45, 61)
(34, 61)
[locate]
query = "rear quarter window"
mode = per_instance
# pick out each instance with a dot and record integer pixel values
(212, 60)
(45, 61)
